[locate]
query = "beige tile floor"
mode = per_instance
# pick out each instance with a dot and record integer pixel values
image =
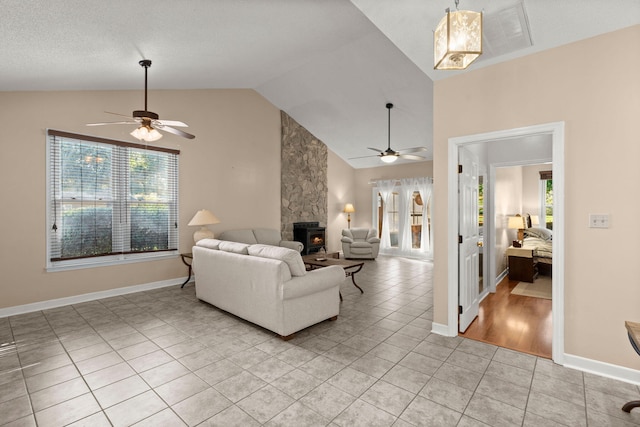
(162, 358)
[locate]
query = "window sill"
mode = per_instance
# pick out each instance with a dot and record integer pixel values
(107, 261)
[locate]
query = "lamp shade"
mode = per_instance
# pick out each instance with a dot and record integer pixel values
(457, 40)
(516, 222)
(348, 208)
(203, 218)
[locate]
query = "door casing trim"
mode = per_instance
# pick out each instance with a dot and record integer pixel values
(556, 130)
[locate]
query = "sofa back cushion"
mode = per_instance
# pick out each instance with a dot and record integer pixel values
(291, 257)
(267, 236)
(234, 247)
(242, 236)
(209, 243)
(360, 233)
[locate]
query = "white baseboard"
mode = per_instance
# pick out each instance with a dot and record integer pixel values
(596, 367)
(602, 369)
(440, 329)
(501, 276)
(76, 299)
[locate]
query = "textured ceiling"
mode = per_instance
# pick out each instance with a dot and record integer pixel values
(330, 64)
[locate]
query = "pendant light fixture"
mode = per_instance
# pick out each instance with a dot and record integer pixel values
(457, 40)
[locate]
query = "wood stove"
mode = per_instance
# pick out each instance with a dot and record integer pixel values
(310, 234)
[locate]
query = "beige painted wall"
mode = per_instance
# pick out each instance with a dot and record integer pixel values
(231, 168)
(584, 85)
(340, 181)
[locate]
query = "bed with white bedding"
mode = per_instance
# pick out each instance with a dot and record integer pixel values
(542, 240)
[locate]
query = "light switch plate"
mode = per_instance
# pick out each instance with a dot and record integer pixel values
(598, 220)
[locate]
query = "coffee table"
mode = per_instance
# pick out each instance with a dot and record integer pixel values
(350, 267)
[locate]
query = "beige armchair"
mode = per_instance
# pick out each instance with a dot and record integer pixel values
(362, 243)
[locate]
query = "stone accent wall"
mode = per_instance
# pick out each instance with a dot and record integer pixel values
(304, 177)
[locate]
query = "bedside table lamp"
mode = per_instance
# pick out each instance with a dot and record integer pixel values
(517, 223)
(349, 209)
(203, 218)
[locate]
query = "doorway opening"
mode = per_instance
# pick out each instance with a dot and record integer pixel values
(517, 313)
(555, 133)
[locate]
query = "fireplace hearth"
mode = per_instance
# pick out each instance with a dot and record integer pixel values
(310, 234)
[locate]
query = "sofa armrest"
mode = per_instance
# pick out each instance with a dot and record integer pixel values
(373, 240)
(314, 281)
(346, 239)
(296, 246)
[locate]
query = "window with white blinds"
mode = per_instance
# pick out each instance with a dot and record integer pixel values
(109, 201)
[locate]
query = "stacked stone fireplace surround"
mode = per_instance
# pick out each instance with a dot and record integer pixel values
(303, 189)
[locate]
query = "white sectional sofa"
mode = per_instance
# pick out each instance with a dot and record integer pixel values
(265, 236)
(266, 285)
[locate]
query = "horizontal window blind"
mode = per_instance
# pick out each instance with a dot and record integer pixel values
(110, 198)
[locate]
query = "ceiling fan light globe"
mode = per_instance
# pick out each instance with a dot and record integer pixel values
(389, 158)
(140, 133)
(143, 133)
(153, 135)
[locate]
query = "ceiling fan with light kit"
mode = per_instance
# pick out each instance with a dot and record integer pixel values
(148, 122)
(389, 155)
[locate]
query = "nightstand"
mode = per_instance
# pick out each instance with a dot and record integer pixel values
(522, 265)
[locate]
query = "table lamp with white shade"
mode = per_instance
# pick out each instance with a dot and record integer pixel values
(517, 223)
(203, 218)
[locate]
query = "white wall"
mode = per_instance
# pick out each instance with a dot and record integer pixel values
(507, 202)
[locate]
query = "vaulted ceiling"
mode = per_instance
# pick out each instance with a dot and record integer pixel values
(330, 64)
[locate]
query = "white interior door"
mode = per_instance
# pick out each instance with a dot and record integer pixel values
(468, 230)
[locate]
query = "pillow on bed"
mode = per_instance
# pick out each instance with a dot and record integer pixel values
(540, 233)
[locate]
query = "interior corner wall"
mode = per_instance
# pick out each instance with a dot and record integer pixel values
(341, 179)
(507, 202)
(599, 105)
(303, 177)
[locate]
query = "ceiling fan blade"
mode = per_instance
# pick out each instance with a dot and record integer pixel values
(118, 114)
(411, 157)
(176, 132)
(376, 149)
(112, 123)
(412, 150)
(171, 123)
(363, 157)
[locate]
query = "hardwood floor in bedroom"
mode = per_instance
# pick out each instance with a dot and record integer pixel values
(512, 321)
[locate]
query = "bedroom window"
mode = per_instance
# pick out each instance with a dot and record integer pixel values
(109, 201)
(546, 198)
